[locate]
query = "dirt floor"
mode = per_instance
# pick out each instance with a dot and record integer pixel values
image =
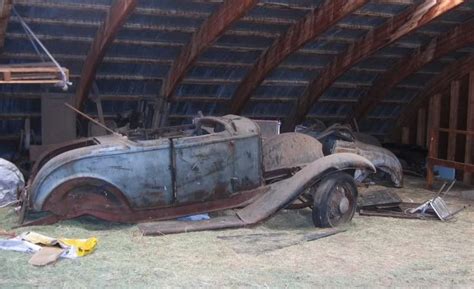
(373, 252)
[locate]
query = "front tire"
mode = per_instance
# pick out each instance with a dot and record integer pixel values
(335, 200)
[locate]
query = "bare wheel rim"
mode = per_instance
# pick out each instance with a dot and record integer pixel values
(341, 204)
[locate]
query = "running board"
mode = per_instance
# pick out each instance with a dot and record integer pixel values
(174, 227)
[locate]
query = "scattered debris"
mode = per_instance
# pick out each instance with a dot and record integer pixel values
(438, 205)
(379, 199)
(4, 233)
(388, 204)
(198, 217)
(46, 249)
(46, 256)
(267, 242)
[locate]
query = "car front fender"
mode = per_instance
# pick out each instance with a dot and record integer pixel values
(284, 192)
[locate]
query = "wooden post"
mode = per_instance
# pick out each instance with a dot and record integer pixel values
(421, 127)
(405, 135)
(469, 127)
(434, 116)
(453, 119)
(433, 153)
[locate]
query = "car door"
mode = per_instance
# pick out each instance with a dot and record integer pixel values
(204, 167)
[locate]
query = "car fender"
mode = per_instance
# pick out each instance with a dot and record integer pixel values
(383, 159)
(61, 169)
(284, 192)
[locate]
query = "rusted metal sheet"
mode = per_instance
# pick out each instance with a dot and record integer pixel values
(439, 83)
(453, 40)
(315, 23)
(409, 20)
(116, 17)
(228, 13)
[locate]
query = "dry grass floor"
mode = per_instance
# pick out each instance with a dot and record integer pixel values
(374, 252)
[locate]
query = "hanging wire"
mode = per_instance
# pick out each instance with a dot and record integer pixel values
(64, 83)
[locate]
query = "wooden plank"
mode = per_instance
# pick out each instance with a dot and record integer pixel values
(312, 25)
(457, 131)
(453, 119)
(468, 155)
(7, 76)
(116, 16)
(5, 12)
(432, 154)
(405, 135)
(421, 127)
(414, 17)
(434, 117)
(452, 164)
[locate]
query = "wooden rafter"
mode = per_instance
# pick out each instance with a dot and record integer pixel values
(438, 47)
(116, 17)
(228, 13)
(307, 29)
(438, 84)
(5, 11)
(409, 20)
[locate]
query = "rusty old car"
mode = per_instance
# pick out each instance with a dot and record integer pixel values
(213, 164)
(339, 138)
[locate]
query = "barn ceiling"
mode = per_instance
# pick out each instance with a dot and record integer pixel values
(292, 60)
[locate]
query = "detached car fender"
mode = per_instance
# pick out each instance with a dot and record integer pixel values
(283, 193)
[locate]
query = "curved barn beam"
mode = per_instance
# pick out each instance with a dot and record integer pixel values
(115, 18)
(5, 11)
(409, 20)
(455, 39)
(315, 23)
(228, 13)
(439, 83)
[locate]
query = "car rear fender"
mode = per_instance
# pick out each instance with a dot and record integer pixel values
(284, 192)
(42, 192)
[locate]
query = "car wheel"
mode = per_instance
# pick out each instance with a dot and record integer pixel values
(335, 200)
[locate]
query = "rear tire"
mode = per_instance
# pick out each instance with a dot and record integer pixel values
(335, 200)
